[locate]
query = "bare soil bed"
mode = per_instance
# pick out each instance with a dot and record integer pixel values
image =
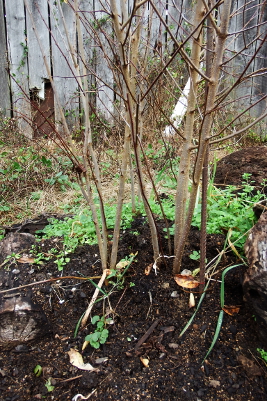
(176, 371)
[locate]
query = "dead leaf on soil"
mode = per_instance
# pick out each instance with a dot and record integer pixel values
(231, 310)
(145, 361)
(26, 259)
(250, 366)
(186, 281)
(148, 269)
(122, 264)
(76, 360)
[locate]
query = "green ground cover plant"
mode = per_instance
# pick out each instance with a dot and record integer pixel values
(230, 208)
(263, 355)
(100, 335)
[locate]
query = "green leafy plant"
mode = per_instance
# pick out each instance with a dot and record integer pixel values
(10, 259)
(62, 180)
(100, 335)
(48, 385)
(61, 262)
(195, 255)
(263, 354)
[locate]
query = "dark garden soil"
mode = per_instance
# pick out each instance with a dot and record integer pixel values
(251, 160)
(233, 370)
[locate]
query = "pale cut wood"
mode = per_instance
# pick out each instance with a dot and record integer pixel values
(18, 59)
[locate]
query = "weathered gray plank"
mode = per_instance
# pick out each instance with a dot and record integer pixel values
(104, 61)
(4, 78)
(36, 65)
(63, 67)
(247, 15)
(157, 29)
(18, 52)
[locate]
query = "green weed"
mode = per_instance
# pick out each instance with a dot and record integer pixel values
(263, 354)
(195, 255)
(100, 335)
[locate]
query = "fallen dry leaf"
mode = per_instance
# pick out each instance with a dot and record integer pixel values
(145, 361)
(122, 264)
(148, 269)
(26, 259)
(77, 360)
(250, 366)
(85, 343)
(186, 281)
(231, 310)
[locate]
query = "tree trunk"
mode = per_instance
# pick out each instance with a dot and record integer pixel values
(255, 281)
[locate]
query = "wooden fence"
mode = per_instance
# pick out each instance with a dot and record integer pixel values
(24, 76)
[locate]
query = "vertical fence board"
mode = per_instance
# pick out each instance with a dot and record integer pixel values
(63, 67)
(104, 61)
(244, 45)
(28, 70)
(4, 87)
(37, 69)
(18, 52)
(259, 82)
(86, 15)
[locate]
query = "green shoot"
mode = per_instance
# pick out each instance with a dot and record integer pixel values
(263, 355)
(100, 335)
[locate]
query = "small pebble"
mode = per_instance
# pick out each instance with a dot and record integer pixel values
(98, 361)
(165, 285)
(16, 271)
(175, 294)
(173, 345)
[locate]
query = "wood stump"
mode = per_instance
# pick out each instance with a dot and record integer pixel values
(255, 280)
(21, 321)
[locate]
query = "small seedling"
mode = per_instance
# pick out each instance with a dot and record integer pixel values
(61, 262)
(263, 354)
(38, 370)
(48, 385)
(195, 255)
(100, 334)
(10, 259)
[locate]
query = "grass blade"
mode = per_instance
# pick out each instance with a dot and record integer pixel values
(222, 284)
(216, 334)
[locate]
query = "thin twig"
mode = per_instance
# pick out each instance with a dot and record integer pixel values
(47, 281)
